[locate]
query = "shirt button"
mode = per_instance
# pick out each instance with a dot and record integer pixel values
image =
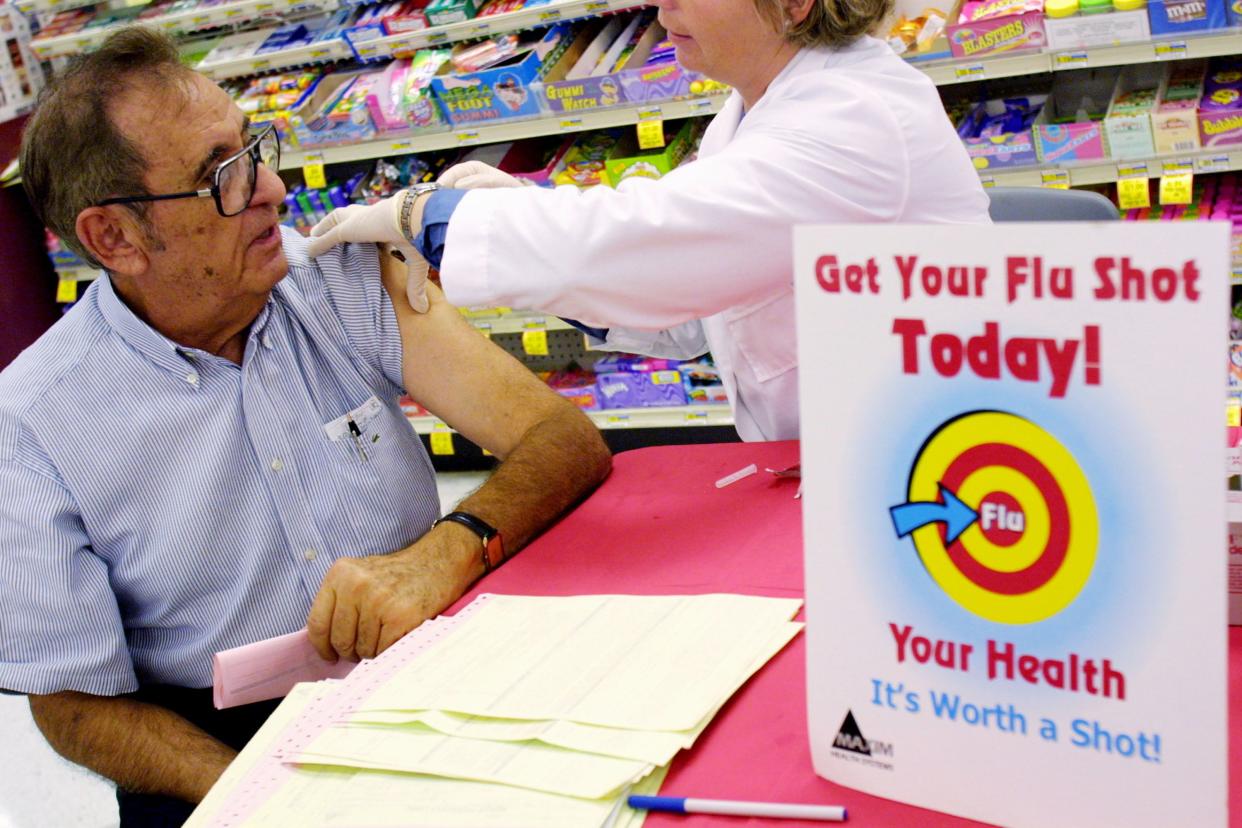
(310, 554)
(192, 378)
(267, 342)
(277, 464)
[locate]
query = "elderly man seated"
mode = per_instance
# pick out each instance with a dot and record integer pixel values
(207, 451)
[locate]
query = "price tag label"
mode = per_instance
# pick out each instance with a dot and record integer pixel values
(571, 124)
(437, 37)
(441, 440)
(535, 343)
(650, 134)
(1177, 188)
(596, 6)
(264, 8)
(484, 328)
(231, 13)
(314, 175)
(470, 136)
(550, 16)
(1233, 413)
(1216, 163)
(261, 65)
(968, 73)
(67, 290)
(368, 51)
(701, 106)
(651, 113)
(1056, 179)
(1133, 193)
(402, 146)
(1133, 170)
(987, 181)
(696, 417)
(1070, 60)
(617, 420)
(320, 54)
(536, 324)
(1172, 50)
(200, 20)
(169, 24)
(481, 29)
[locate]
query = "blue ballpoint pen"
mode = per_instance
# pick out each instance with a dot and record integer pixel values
(780, 810)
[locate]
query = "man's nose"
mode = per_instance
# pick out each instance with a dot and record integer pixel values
(268, 188)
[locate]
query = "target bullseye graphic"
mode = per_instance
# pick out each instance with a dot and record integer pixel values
(1001, 516)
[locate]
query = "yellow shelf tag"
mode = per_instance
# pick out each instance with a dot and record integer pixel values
(1233, 413)
(1056, 179)
(441, 440)
(651, 134)
(535, 343)
(1133, 193)
(484, 328)
(313, 173)
(1176, 188)
(67, 290)
(969, 73)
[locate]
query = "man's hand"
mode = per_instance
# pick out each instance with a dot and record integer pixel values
(475, 175)
(379, 223)
(364, 605)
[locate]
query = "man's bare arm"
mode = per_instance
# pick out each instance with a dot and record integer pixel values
(141, 747)
(552, 457)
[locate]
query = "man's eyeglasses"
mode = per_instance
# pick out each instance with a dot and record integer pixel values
(232, 185)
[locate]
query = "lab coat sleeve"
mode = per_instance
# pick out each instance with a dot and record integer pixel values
(685, 341)
(711, 235)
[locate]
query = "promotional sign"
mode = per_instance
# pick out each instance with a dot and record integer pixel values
(1015, 519)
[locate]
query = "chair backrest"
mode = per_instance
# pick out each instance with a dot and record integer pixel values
(1048, 204)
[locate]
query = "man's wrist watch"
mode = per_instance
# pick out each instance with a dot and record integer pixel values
(493, 544)
(407, 207)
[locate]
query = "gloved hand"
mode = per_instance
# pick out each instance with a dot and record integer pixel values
(379, 223)
(475, 175)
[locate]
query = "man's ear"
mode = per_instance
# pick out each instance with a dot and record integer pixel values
(114, 237)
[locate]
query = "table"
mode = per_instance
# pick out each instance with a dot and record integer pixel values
(659, 525)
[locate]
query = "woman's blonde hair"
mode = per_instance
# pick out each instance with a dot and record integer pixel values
(829, 22)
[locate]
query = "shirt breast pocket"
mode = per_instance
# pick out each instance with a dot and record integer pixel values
(763, 334)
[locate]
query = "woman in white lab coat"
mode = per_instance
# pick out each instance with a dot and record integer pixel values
(825, 125)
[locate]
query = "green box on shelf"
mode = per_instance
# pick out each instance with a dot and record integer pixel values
(443, 12)
(1127, 126)
(628, 161)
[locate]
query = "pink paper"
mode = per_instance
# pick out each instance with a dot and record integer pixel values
(269, 669)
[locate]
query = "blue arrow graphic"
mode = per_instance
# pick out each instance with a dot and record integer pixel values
(955, 514)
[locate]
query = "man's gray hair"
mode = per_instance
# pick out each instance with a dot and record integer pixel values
(72, 155)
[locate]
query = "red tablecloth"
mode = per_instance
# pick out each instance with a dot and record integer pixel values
(659, 525)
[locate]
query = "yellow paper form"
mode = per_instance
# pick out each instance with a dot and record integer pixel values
(659, 663)
(654, 747)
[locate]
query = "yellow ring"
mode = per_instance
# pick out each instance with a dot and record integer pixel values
(978, 485)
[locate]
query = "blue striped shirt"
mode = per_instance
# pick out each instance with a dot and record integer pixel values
(159, 503)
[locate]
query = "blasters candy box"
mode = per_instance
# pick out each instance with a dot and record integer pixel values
(505, 91)
(987, 27)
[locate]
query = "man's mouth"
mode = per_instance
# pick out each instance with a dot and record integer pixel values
(267, 235)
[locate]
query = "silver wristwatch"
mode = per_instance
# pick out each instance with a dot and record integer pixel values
(407, 206)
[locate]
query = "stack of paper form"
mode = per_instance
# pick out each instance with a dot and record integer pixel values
(517, 711)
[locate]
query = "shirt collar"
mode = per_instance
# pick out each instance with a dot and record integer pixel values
(150, 343)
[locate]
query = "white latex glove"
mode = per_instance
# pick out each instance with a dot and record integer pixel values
(475, 175)
(379, 223)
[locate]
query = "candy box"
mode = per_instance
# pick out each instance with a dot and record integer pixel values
(993, 26)
(536, 159)
(584, 164)
(1220, 108)
(626, 160)
(443, 12)
(1072, 126)
(634, 364)
(409, 17)
(505, 90)
(1175, 122)
(1173, 17)
(399, 97)
(1011, 145)
(1127, 126)
(1085, 30)
(640, 390)
(330, 116)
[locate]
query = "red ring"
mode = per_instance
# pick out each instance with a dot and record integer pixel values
(1047, 564)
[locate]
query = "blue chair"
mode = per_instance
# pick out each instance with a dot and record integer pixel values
(1047, 204)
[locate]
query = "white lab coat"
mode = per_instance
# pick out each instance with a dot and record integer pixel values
(702, 259)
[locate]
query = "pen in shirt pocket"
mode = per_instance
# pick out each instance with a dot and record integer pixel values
(356, 434)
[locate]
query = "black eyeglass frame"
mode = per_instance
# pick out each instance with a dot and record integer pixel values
(251, 149)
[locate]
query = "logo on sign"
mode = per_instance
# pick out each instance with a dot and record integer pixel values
(1001, 516)
(859, 748)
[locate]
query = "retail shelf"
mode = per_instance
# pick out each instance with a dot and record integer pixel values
(327, 52)
(494, 132)
(189, 20)
(544, 15)
(80, 273)
(1228, 42)
(516, 323)
(35, 6)
(671, 417)
(1105, 171)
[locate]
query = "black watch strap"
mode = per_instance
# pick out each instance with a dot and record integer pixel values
(493, 547)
